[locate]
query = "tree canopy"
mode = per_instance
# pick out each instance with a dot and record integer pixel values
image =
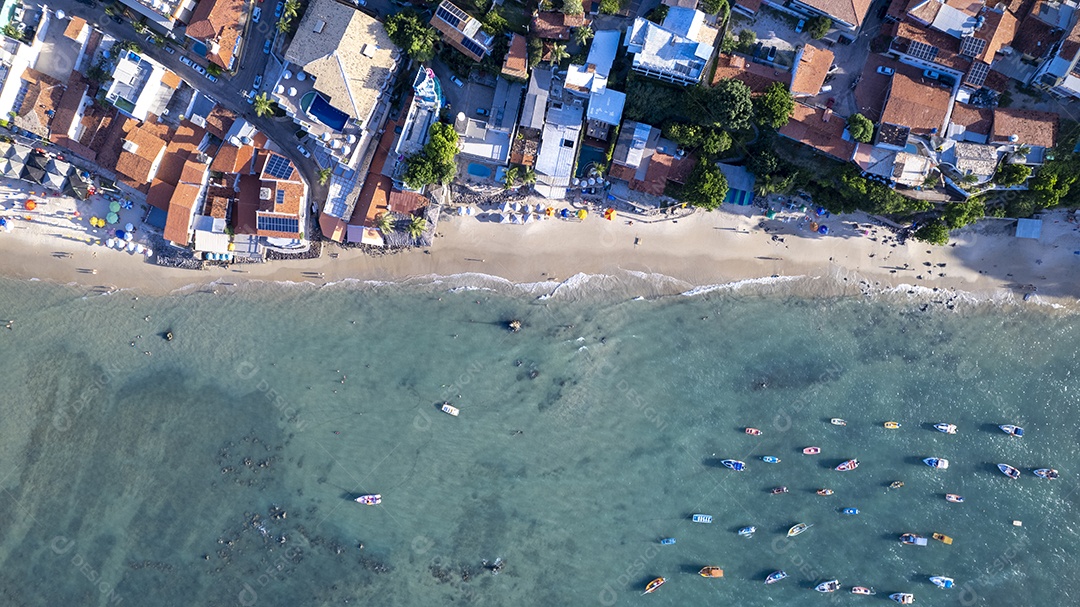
(573, 7)
(960, 214)
(1012, 174)
(934, 232)
(860, 127)
(706, 187)
(774, 107)
(435, 163)
(818, 27)
(409, 32)
(712, 7)
(728, 105)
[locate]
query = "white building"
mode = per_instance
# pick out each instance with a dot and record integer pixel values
(558, 148)
(676, 51)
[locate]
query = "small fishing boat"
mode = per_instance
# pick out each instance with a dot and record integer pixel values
(770, 459)
(851, 464)
(811, 451)
(667, 541)
(946, 428)
(798, 529)
(892, 425)
(1009, 471)
(863, 590)
(942, 582)
(748, 531)
(851, 511)
(912, 539)
(775, 576)
(1049, 473)
(1016, 431)
(836, 421)
(711, 572)
(941, 537)
(824, 492)
(937, 462)
(652, 586)
(369, 500)
(448, 408)
(954, 498)
(734, 464)
(702, 518)
(779, 490)
(896, 484)
(904, 598)
(753, 431)
(830, 586)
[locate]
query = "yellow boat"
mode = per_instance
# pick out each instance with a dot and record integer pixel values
(941, 537)
(711, 572)
(892, 425)
(654, 585)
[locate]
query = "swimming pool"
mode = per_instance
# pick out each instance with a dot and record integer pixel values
(589, 156)
(479, 170)
(324, 112)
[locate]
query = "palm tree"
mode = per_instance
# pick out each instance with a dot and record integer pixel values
(324, 175)
(529, 177)
(262, 105)
(384, 222)
(583, 34)
(558, 53)
(284, 25)
(510, 177)
(416, 228)
(292, 8)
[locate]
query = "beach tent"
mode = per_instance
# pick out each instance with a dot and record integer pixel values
(13, 169)
(506, 208)
(33, 173)
(504, 218)
(18, 153)
(529, 218)
(55, 181)
(30, 205)
(76, 188)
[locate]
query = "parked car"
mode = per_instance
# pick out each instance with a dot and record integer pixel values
(303, 151)
(117, 19)
(211, 77)
(199, 68)
(188, 62)
(256, 14)
(826, 89)
(257, 82)
(170, 50)
(772, 54)
(931, 74)
(800, 26)
(151, 39)
(481, 112)
(456, 81)
(888, 71)
(266, 46)
(250, 96)
(278, 9)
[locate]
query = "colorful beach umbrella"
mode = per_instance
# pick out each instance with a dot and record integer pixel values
(112, 218)
(582, 214)
(30, 205)
(114, 207)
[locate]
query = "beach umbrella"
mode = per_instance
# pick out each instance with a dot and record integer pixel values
(470, 211)
(461, 211)
(112, 218)
(8, 225)
(823, 230)
(128, 236)
(813, 226)
(126, 204)
(114, 206)
(582, 214)
(131, 247)
(149, 252)
(140, 249)
(820, 211)
(30, 205)
(564, 213)
(128, 227)
(550, 212)
(575, 181)
(119, 233)
(109, 242)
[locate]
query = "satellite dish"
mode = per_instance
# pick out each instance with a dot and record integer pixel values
(60, 14)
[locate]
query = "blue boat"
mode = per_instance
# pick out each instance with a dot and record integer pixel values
(943, 582)
(937, 462)
(851, 510)
(1016, 431)
(775, 576)
(770, 459)
(748, 531)
(734, 464)
(702, 518)
(667, 541)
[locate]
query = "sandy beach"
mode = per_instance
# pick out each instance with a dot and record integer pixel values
(722, 247)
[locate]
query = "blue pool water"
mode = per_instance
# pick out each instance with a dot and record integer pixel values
(588, 155)
(479, 170)
(327, 114)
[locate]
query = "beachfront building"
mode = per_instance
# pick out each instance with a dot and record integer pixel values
(555, 25)
(16, 57)
(338, 75)
(636, 144)
(487, 139)
(138, 86)
(675, 51)
(812, 65)
(427, 101)
(1016, 131)
(526, 144)
(912, 107)
(461, 31)
(558, 149)
(164, 14)
(643, 161)
(216, 30)
(820, 129)
(590, 81)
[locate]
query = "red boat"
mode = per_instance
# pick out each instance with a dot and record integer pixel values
(851, 464)
(753, 431)
(811, 450)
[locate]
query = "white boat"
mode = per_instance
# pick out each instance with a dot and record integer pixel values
(1048, 473)
(946, 428)
(830, 586)
(937, 462)
(798, 529)
(1010, 429)
(748, 531)
(775, 576)
(734, 464)
(369, 500)
(942, 582)
(1009, 471)
(904, 598)
(770, 459)
(851, 464)
(836, 421)
(448, 408)
(702, 518)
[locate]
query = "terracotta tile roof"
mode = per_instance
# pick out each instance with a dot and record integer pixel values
(1031, 128)
(924, 11)
(996, 81)
(247, 205)
(554, 25)
(973, 119)
(159, 194)
(232, 159)
(134, 165)
(662, 169)
(406, 202)
(217, 206)
(621, 171)
(1071, 45)
(848, 11)
(751, 5)
(178, 222)
(820, 129)
(172, 165)
(1034, 37)
(43, 93)
(998, 30)
(74, 28)
(810, 71)
(374, 199)
(170, 79)
(193, 172)
(219, 121)
(948, 48)
(104, 134)
(217, 22)
(916, 104)
(898, 8)
(68, 106)
(754, 75)
(516, 64)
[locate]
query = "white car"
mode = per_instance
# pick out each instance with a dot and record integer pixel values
(888, 71)
(256, 14)
(199, 68)
(188, 62)
(170, 50)
(303, 151)
(456, 81)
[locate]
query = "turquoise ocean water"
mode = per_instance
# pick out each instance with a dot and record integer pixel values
(219, 469)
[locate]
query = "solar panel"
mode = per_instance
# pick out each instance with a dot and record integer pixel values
(452, 15)
(921, 50)
(278, 224)
(972, 46)
(278, 167)
(446, 16)
(473, 46)
(976, 76)
(280, 198)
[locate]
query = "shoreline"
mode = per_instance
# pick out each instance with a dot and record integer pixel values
(704, 251)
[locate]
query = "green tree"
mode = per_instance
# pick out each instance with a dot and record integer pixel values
(536, 52)
(727, 105)
(384, 222)
(610, 7)
(959, 214)
(510, 177)
(435, 163)
(716, 142)
(416, 227)
(263, 105)
(324, 175)
(214, 69)
(529, 177)
(706, 187)
(583, 34)
(763, 162)
(658, 14)
(414, 36)
(728, 44)
(818, 27)
(291, 9)
(747, 38)
(573, 7)
(689, 135)
(860, 127)
(284, 25)
(934, 232)
(774, 107)
(1009, 174)
(495, 23)
(558, 53)
(712, 7)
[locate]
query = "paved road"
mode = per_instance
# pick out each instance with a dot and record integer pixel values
(226, 90)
